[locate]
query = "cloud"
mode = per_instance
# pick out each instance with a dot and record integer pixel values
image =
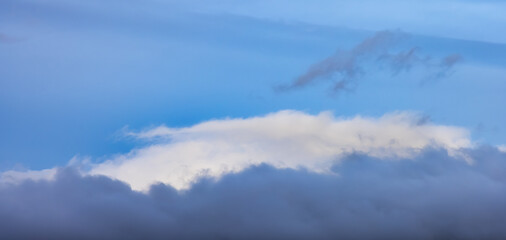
(502, 148)
(346, 67)
(447, 63)
(430, 196)
(285, 139)
(13, 176)
(287, 174)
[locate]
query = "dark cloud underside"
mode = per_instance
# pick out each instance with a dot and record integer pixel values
(431, 197)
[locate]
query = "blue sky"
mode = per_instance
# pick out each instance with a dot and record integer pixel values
(252, 119)
(74, 73)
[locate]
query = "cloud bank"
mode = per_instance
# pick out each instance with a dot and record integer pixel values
(430, 196)
(286, 139)
(284, 175)
(346, 67)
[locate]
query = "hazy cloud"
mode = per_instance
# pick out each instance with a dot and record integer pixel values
(447, 63)
(502, 148)
(346, 67)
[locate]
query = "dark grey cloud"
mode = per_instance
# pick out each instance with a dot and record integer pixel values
(447, 63)
(433, 196)
(346, 67)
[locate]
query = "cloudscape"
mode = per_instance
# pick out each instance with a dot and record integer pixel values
(252, 119)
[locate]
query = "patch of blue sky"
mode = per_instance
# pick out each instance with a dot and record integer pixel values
(77, 75)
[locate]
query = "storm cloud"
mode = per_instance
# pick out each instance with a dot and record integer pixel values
(432, 196)
(346, 67)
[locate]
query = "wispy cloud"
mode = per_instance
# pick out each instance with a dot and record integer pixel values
(346, 67)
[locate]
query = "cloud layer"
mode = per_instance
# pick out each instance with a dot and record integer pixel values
(431, 196)
(284, 175)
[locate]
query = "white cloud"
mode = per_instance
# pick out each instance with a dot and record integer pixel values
(502, 148)
(14, 177)
(286, 139)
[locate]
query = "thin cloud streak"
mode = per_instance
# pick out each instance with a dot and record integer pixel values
(346, 67)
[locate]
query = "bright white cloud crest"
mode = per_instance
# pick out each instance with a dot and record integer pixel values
(286, 139)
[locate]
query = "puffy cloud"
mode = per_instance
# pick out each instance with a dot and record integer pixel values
(346, 67)
(430, 196)
(284, 175)
(286, 139)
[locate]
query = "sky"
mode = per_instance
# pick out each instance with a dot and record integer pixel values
(252, 119)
